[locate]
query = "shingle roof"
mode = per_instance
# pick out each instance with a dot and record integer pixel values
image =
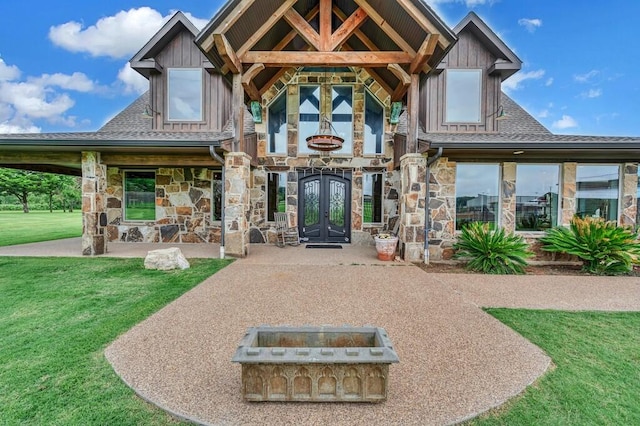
(518, 120)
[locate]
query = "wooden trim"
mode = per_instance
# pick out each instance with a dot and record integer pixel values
(251, 41)
(231, 19)
(273, 80)
(303, 28)
(413, 102)
(295, 59)
(423, 54)
(373, 74)
(61, 158)
(362, 36)
(325, 24)
(248, 85)
(237, 111)
(384, 26)
(347, 28)
(114, 159)
(227, 53)
(293, 33)
(405, 81)
(422, 20)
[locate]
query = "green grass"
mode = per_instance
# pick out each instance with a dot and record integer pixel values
(596, 379)
(141, 211)
(36, 226)
(57, 315)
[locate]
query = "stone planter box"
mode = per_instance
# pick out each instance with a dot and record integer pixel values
(315, 364)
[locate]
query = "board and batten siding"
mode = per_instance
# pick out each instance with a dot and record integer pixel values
(468, 53)
(181, 52)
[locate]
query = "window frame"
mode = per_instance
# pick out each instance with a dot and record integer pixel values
(281, 173)
(200, 119)
(558, 220)
(286, 123)
(214, 172)
(619, 192)
(124, 195)
(302, 140)
(381, 206)
(351, 135)
(498, 213)
(447, 95)
(368, 94)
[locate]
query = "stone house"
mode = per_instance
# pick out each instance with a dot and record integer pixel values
(354, 116)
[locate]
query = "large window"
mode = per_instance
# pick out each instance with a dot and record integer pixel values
(309, 121)
(373, 125)
(477, 196)
(139, 195)
(372, 184)
(277, 119)
(185, 94)
(276, 194)
(597, 191)
(537, 196)
(464, 88)
(342, 116)
(216, 196)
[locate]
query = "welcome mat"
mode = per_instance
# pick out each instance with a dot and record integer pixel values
(324, 246)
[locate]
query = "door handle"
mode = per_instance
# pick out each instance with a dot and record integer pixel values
(326, 214)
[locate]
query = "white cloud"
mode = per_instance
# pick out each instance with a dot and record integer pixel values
(566, 122)
(530, 24)
(77, 81)
(8, 72)
(586, 78)
(117, 36)
(7, 127)
(543, 114)
(133, 82)
(591, 94)
(549, 82)
(515, 81)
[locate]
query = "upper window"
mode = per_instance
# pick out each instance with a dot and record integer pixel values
(342, 115)
(537, 196)
(373, 125)
(139, 195)
(277, 119)
(372, 184)
(309, 121)
(464, 88)
(185, 94)
(597, 191)
(477, 196)
(276, 194)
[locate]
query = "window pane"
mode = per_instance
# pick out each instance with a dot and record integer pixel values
(477, 194)
(278, 125)
(373, 125)
(185, 94)
(597, 192)
(463, 96)
(372, 198)
(217, 196)
(276, 194)
(140, 196)
(309, 122)
(537, 196)
(342, 115)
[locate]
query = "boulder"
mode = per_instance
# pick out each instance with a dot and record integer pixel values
(166, 259)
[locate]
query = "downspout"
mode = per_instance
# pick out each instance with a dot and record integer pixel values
(220, 160)
(427, 202)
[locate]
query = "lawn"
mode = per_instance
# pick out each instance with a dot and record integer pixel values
(57, 315)
(596, 379)
(36, 226)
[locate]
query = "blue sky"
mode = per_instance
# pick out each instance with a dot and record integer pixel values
(64, 68)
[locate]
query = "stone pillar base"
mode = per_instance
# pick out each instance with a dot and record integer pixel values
(413, 169)
(237, 204)
(94, 216)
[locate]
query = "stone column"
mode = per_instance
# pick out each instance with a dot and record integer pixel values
(413, 169)
(237, 203)
(629, 205)
(442, 194)
(94, 205)
(508, 215)
(568, 206)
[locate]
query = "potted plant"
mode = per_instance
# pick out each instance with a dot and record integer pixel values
(386, 246)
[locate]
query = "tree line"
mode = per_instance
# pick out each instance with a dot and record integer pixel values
(59, 191)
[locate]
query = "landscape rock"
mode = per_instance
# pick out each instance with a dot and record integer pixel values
(166, 259)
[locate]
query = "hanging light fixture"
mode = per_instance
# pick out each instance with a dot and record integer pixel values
(327, 138)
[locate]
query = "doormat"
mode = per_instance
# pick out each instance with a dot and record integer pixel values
(324, 246)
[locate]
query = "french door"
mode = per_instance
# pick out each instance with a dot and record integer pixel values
(325, 208)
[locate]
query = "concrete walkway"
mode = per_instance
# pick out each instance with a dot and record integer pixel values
(455, 360)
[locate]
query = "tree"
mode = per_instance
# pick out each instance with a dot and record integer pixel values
(69, 192)
(50, 186)
(21, 184)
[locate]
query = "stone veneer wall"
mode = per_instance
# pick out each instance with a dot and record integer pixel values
(629, 204)
(183, 208)
(93, 204)
(442, 192)
(412, 210)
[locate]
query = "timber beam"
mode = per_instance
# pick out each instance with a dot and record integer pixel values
(248, 84)
(296, 59)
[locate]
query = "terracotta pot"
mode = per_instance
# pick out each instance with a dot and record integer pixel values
(386, 248)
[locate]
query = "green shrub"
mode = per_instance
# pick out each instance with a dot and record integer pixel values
(604, 247)
(492, 251)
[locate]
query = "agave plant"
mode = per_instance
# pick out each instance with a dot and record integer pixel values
(492, 251)
(604, 247)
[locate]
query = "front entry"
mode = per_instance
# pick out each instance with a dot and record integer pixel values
(325, 208)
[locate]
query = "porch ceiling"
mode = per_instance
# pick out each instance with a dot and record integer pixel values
(261, 39)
